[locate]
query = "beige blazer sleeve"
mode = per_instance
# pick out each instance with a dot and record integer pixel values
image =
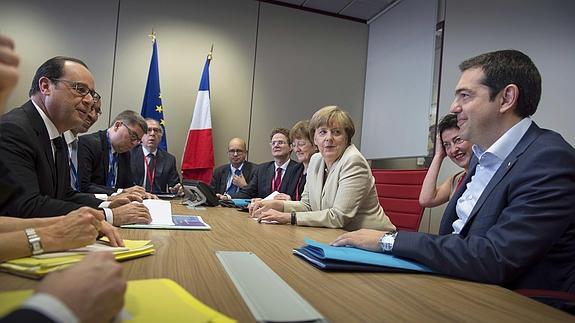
(348, 199)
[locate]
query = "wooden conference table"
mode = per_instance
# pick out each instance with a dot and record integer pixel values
(188, 257)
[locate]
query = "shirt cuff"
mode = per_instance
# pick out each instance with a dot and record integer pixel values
(51, 307)
(104, 204)
(101, 196)
(109, 215)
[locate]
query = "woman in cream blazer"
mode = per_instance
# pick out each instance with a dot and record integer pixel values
(340, 189)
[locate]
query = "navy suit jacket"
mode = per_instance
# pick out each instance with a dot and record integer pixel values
(521, 232)
(26, 150)
(220, 177)
(261, 183)
(25, 315)
(93, 161)
(166, 173)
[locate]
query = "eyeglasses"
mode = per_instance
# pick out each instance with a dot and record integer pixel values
(299, 143)
(133, 135)
(279, 143)
(235, 151)
(81, 89)
(154, 129)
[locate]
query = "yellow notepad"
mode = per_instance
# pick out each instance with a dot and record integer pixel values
(37, 267)
(151, 300)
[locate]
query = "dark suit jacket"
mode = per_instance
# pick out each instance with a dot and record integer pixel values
(166, 172)
(93, 161)
(26, 150)
(261, 183)
(220, 177)
(521, 232)
(25, 315)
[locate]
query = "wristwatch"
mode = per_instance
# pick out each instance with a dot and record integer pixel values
(34, 241)
(387, 241)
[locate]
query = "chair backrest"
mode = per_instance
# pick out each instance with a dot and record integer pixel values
(398, 193)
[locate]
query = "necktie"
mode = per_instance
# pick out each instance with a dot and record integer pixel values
(460, 181)
(278, 180)
(111, 180)
(233, 188)
(150, 173)
(74, 165)
(60, 160)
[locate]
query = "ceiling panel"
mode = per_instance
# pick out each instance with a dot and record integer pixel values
(362, 10)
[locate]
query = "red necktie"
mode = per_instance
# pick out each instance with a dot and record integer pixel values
(460, 181)
(278, 180)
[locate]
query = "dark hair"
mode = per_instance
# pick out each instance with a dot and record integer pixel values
(449, 121)
(52, 69)
(283, 131)
(132, 118)
(505, 67)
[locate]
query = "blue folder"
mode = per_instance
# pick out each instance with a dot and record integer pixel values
(327, 257)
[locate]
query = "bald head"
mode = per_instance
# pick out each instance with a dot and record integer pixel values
(237, 152)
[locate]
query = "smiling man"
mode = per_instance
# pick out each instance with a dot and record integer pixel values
(512, 222)
(280, 174)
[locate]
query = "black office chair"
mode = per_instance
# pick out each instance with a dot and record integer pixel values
(562, 300)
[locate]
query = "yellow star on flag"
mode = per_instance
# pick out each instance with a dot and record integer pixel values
(160, 95)
(162, 122)
(159, 108)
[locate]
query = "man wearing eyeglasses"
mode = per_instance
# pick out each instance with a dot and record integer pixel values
(279, 175)
(104, 157)
(229, 178)
(153, 168)
(32, 146)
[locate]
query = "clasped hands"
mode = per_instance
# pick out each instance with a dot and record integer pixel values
(268, 211)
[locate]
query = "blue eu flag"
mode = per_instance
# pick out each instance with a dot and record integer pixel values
(152, 106)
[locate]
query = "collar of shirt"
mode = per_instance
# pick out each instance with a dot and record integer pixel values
(52, 130)
(70, 137)
(283, 167)
(505, 144)
(108, 138)
(234, 169)
(146, 151)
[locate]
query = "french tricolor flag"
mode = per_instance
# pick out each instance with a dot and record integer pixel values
(198, 159)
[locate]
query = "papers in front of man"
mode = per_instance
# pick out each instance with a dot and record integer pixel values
(162, 218)
(328, 257)
(39, 266)
(150, 300)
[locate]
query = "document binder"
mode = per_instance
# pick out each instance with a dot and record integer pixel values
(328, 257)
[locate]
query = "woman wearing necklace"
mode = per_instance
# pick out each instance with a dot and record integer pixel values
(344, 196)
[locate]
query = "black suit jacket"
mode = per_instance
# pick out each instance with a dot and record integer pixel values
(25, 315)
(93, 161)
(521, 232)
(220, 177)
(26, 150)
(166, 172)
(261, 183)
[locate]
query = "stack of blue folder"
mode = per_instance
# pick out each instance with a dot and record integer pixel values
(327, 257)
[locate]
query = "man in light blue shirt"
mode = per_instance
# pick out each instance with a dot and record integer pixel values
(512, 222)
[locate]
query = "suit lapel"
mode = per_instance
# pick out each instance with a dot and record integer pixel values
(503, 170)
(224, 178)
(43, 139)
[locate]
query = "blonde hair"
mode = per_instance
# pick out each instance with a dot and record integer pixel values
(300, 131)
(329, 116)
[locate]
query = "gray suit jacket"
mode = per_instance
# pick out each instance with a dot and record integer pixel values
(521, 232)
(348, 199)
